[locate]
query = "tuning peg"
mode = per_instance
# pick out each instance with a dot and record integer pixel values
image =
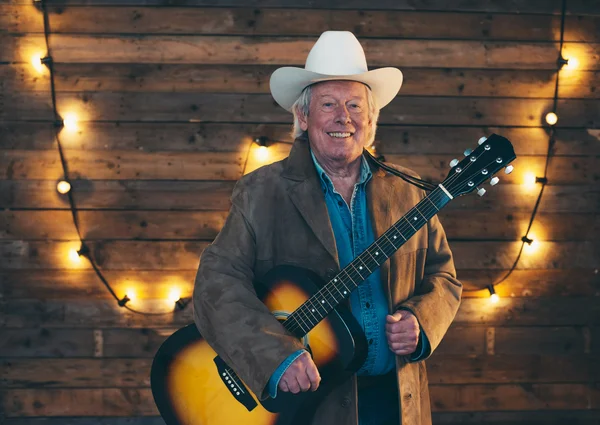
(494, 181)
(481, 191)
(480, 141)
(453, 162)
(509, 169)
(468, 152)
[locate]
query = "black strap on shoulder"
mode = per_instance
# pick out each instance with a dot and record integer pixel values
(421, 184)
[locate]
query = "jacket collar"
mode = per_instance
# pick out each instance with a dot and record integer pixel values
(307, 195)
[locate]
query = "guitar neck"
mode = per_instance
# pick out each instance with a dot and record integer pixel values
(339, 288)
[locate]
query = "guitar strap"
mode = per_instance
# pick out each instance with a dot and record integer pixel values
(421, 184)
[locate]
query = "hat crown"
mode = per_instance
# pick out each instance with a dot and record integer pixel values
(337, 53)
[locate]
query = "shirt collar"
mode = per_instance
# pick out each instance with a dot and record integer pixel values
(327, 184)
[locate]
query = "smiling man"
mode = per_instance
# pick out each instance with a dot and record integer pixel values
(320, 208)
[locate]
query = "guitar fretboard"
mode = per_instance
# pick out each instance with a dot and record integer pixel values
(339, 288)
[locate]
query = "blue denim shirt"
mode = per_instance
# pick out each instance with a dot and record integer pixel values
(353, 231)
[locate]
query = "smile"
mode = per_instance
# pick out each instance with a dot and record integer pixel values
(339, 135)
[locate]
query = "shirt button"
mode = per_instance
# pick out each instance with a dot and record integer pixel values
(368, 305)
(340, 203)
(371, 341)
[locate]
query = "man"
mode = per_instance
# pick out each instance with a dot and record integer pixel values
(319, 208)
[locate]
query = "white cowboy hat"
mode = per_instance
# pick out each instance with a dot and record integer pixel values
(337, 55)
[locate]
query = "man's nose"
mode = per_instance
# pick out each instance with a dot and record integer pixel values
(342, 115)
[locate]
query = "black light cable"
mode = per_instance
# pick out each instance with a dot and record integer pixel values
(84, 250)
(560, 62)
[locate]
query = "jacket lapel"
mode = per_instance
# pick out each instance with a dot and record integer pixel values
(379, 199)
(307, 196)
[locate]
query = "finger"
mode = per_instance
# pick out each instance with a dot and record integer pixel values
(393, 318)
(395, 328)
(283, 386)
(293, 385)
(405, 337)
(303, 381)
(313, 375)
(402, 348)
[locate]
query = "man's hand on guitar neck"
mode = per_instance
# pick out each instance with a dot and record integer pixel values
(301, 375)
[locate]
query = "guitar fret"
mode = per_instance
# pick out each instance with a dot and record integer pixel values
(374, 259)
(364, 264)
(409, 223)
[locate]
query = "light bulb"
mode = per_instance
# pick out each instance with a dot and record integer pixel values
(74, 256)
(494, 298)
(130, 293)
(551, 118)
(529, 180)
(70, 121)
(174, 295)
(262, 153)
(36, 61)
(63, 187)
(533, 246)
(572, 64)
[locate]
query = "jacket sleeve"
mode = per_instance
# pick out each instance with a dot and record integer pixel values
(227, 312)
(437, 298)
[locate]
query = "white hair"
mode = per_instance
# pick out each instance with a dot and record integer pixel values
(302, 105)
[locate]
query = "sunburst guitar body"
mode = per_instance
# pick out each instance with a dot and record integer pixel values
(193, 386)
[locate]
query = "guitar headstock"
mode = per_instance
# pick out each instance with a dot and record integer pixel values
(492, 154)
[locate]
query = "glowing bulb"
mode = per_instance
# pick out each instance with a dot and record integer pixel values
(532, 247)
(174, 295)
(494, 298)
(70, 121)
(36, 61)
(74, 256)
(130, 293)
(262, 153)
(529, 180)
(572, 64)
(551, 118)
(63, 187)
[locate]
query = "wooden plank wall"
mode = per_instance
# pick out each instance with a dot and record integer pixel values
(170, 99)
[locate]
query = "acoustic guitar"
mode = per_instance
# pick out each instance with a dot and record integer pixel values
(192, 385)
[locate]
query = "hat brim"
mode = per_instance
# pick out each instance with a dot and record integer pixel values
(288, 82)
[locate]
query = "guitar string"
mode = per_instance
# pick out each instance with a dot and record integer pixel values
(350, 270)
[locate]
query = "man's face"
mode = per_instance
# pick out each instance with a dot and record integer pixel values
(338, 121)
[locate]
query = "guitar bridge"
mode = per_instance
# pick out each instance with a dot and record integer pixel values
(234, 384)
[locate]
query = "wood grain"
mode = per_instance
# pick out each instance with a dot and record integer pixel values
(571, 311)
(500, 224)
(221, 137)
(84, 284)
(241, 50)
(255, 79)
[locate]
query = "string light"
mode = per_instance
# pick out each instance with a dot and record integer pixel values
(69, 122)
(63, 187)
(36, 61)
(551, 118)
(531, 179)
(493, 296)
(262, 153)
(572, 63)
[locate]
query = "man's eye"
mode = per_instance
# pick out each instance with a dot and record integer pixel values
(327, 104)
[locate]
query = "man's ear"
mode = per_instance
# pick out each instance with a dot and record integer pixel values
(302, 119)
